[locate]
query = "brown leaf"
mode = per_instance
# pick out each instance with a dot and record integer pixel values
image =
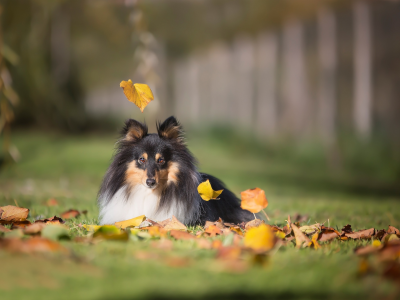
(181, 235)
(254, 223)
(69, 214)
(347, 229)
(31, 245)
(253, 200)
(34, 228)
(52, 202)
(236, 230)
(229, 253)
(301, 239)
(4, 229)
(13, 213)
(173, 224)
(20, 224)
(216, 244)
(392, 229)
(380, 234)
(218, 223)
(52, 220)
(390, 250)
(327, 234)
(213, 230)
(362, 234)
(204, 244)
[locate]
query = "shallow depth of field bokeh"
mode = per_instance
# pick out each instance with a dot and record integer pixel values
(298, 98)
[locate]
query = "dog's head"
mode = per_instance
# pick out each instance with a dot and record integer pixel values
(153, 160)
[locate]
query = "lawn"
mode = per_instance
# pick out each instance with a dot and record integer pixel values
(70, 169)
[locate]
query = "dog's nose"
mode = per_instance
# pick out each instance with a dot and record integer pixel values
(150, 182)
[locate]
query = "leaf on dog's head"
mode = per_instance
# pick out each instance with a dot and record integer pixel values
(254, 200)
(206, 192)
(138, 93)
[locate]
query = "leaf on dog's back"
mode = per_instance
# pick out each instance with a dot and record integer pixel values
(138, 93)
(254, 200)
(206, 192)
(131, 222)
(12, 213)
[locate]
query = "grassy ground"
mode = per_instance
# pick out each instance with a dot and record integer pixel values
(70, 169)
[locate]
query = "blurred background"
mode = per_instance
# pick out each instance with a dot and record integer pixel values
(286, 95)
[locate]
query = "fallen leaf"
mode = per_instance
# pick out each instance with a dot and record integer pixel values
(20, 224)
(314, 241)
(206, 192)
(52, 220)
(310, 229)
(111, 232)
(52, 202)
(216, 244)
(302, 240)
(253, 200)
(327, 234)
(13, 213)
(31, 245)
(217, 223)
(34, 228)
(69, 214)
(177, 262)
(204, 244)
(163, 244)
(91, 228)
(229, 253)
(138, 93)
(213, 230)
(236, 230)
(380, 234)
(173, 224)
(362, 234)
(254, 223)
(131, 222)
(260, 238)
(157, 231)
(181, 235)
(392, 229)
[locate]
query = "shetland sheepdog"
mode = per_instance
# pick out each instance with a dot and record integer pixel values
(156, 175)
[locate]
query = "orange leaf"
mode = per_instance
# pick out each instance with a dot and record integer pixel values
(138, 93)
(52, 202)
(13, 213)
(69, 214)
(181, 235)
(213, 230)
(173, 224)
(254, 200)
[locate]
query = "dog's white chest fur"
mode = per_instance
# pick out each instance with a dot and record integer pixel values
(141, 201)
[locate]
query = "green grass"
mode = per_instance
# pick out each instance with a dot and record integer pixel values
(70, 169)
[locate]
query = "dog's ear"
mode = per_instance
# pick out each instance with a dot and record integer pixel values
(134, 131)
(170, 129)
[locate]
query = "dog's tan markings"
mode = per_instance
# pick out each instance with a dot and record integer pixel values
(145, 155)
(158, 155)
(173, 172)
(134, 175)
(135, 133)
(172, 132)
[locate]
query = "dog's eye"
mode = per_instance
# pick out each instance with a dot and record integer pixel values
(142, 160)
(160, 161)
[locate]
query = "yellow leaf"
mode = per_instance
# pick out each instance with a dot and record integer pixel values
(260, 238)
(254, 200)
(206, 192)
(131, 222)
(91, 227)
(110, 232)
(138, 93)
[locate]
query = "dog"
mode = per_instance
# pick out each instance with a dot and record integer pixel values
(156, 175)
